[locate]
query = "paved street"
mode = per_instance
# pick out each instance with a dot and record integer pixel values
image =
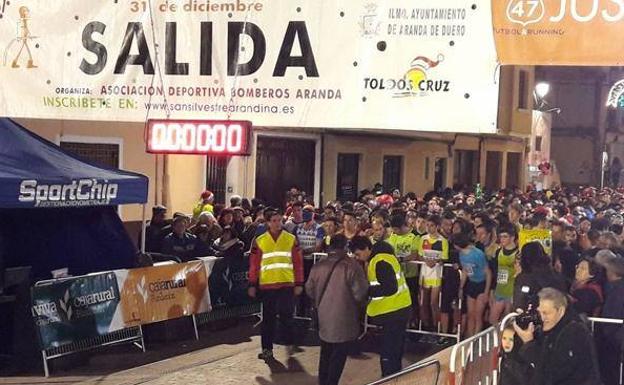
(224, 357)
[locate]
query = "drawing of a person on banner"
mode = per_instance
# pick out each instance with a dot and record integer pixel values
(23, 38)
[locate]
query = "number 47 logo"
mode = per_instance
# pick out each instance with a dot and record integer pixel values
(525, 12)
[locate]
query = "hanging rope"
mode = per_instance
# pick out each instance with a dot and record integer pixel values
(157, 61)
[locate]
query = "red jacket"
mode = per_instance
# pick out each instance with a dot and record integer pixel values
(255, 259)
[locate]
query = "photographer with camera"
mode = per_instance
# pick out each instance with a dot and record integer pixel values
(557, 344)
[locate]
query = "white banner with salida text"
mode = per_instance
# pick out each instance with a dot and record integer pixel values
(426, 65)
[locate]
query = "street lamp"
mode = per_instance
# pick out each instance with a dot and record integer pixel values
(539, 93)
(542, 89)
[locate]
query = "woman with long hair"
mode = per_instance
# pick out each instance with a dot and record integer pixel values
(536, 273)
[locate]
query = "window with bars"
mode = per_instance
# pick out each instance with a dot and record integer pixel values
(538, 143)
(523, 90)
(347, 177)
(392, 172)
(216, 173)
(100, 154)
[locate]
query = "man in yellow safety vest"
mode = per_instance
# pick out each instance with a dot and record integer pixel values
(276, 277)
(390, 300)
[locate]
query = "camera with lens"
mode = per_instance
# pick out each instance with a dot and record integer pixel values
(530, 314)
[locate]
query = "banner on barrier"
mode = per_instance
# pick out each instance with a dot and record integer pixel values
(159, 293)
(75, 309)
(229, 282)
(88, 306)
(542, 236)
(529, 32)
(380, 64)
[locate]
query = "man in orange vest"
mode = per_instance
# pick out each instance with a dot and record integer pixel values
(276, 277)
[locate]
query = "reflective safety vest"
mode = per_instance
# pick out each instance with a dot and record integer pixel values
(399, 300)
(200, 207)
(276, 266)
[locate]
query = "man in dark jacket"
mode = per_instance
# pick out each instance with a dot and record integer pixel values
(563, 353)
(154, 235)
(611, 336)
(338, 288)
(179, 242)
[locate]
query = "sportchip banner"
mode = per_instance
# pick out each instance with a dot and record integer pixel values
(427, 65)
(76, 309)
(559, 32)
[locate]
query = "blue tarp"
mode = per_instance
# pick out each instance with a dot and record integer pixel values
(37, 173)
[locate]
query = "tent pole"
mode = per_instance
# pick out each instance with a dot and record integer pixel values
(143, 231)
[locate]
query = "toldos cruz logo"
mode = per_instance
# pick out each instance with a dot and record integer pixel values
(417, 75)
(418, 80)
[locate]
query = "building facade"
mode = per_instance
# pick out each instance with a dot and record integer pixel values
(326, 163)
(581, 120)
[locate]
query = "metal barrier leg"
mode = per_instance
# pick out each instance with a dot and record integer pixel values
(460, 303)
(440, 311)
(260, 316)
(495, 376)
(365, 327)
(195, 327)
(46, 371)
(142, 338)
(421, 300)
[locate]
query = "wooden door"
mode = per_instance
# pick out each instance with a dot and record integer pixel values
(282, 163)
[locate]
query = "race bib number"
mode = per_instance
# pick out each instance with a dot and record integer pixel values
(432, 255)
(503, 277)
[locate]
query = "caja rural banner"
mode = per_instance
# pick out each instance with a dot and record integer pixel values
(559, 32)
(84, 307)
(385, 64)
(75, 309)
(542, 236)
(154, 294)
